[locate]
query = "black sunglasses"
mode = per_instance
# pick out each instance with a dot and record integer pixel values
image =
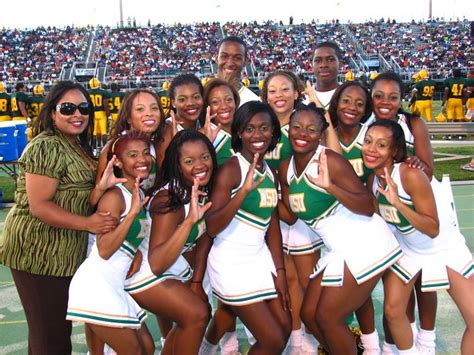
(68, 108)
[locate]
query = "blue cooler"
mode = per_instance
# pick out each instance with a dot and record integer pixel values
(22, 136)
(8, 142)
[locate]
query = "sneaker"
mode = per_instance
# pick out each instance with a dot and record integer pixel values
(468, 167)
(425, 349)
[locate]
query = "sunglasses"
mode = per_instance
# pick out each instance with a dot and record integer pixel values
(68, 108)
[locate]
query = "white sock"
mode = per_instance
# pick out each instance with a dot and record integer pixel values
(371, 341)
(229, 342)
(414, 330)
(389, 349)
(251, 339)
(207, 348)
(296, 338)
(310, 343)
(412, 351)
(426, 340)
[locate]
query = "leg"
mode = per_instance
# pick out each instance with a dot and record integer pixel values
(427, 305)
(263, 321)
(365, 316)
(44, 300)
(335, 305)
(174, 300)
(223, 321)
(396, 295)
(309, 306)
(461, 292)
(295, 290)
(122, 340)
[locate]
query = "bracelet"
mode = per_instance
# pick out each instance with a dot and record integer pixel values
(195, 282)
(280, 268)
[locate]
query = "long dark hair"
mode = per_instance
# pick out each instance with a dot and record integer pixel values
(398, 137)
(123, 125)
(337, 95)
(44, 121)
(242, 117)
(179, 190)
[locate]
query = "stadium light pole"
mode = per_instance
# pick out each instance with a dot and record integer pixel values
(121, 13)
(430, 9)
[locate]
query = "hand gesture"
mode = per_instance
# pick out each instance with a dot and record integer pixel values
(250, 183)
(392, 190)
(137, 203)
(208, 130)
(311, 92)
(108, 178)
(174, 123)
(322, 178)
(196, 211)
(281, 286)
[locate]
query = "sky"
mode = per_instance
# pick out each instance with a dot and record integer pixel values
(33, 13)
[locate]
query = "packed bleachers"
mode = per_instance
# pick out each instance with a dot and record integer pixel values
(150, 51)
(40, 54)
(164, 50)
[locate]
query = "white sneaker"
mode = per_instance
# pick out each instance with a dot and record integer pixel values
(426, 349)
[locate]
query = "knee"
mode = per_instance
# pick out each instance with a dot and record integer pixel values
(325, 317)
(393, 310)
(199, 317)
(274, 341)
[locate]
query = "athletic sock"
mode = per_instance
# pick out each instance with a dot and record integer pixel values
(207, 348)
(412, 351)
(229, 342)
(309, 344)
(389, 349)
(371, 343)
(426, 342)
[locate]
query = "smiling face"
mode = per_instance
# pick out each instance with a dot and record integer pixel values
(222, 103)
(305, 132)
(134, 160)
(195, 161)
(257, 135)
(351, 106)
(230, 60)
(326, 68)
(281, 95)
(71, 126)
(188, 103)
(386, 99)
(145, 114)
(377, 150)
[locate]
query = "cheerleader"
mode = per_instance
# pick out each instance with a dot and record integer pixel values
(320, 187)
(96, 293)
(434, 250)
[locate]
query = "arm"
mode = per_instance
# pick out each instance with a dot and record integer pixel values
(273, 239)
(41, 191)
(170, 230)
(203, 246)
(424, 218)
(284, 210)
(338, 178)
(331, 140)
(423, 158)
(112, 201)
(22, 108)
(224, 207)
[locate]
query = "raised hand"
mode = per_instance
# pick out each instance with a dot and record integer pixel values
(108, 178)
(196, 211)
(250, 183)
(137, 203)
(322, 178)
(392, 190)
(311, 92)
(208, 130)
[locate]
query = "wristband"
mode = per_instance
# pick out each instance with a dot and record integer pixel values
(280, 268)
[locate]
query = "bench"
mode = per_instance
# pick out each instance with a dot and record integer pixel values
(450, 128)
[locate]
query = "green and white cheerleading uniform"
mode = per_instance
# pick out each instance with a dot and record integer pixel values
(364, 243)
(223, 146)
(240, 264)
(96, 293)
(297, 239)
(430, 255)
(353, 153)
(179, 270)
